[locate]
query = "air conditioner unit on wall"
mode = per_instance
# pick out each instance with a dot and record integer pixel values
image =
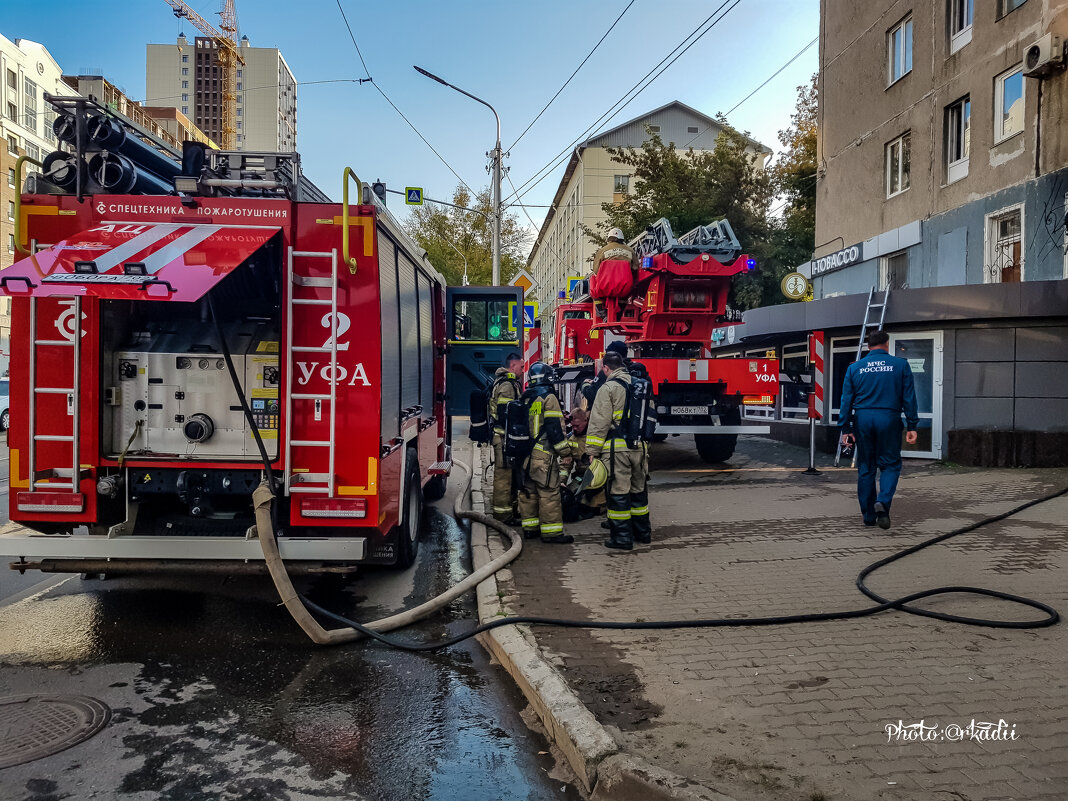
(1043, 56)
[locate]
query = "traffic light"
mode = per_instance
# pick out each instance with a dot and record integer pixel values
(379, 188)
(495, 327)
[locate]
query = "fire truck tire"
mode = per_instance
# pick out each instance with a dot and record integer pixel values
(5, 420)
(412, 516)
(715, 448)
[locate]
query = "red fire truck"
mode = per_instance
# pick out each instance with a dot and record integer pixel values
(138, 318)
(666, 314)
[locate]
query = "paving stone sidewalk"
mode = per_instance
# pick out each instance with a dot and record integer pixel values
(801, 712)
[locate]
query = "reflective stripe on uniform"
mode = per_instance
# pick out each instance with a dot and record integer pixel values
(539, 447)
(617, 415)
(502, 509)
(614, 514)
(620, 443)
(639, 510)
(530, 522)
(552, 528)
(591, 440)
(551, 413)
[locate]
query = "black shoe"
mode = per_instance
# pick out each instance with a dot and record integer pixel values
(869, 522)
(622, 545)
(559, 539)
(882, 516)
(530, 535)
(643, 539)
(605, 524)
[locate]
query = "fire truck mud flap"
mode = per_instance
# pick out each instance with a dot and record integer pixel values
(137, 261)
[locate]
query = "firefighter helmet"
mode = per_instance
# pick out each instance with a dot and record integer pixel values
(595, 478)
(540, 374)
(616, 234)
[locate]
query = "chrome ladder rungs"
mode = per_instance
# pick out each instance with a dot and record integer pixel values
(53, 391)
(53, 438)
(311, 302)
(65, 342)
(54, 485)
(309, 349)
(309, 443)
(308, 396)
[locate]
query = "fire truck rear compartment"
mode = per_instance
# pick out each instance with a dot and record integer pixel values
(168, 398)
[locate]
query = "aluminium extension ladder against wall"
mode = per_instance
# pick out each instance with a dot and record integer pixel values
(867, 324)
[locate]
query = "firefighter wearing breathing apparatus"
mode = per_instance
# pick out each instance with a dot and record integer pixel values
(550, 457)
(506, 387)
(624, 456)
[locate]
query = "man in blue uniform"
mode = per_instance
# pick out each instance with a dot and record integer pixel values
(877, 389)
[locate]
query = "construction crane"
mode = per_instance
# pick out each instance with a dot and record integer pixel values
(228, 56)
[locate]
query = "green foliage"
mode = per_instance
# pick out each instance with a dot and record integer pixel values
(692, 188)
(442, 230)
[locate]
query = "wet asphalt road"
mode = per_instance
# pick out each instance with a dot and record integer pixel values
(216, 694)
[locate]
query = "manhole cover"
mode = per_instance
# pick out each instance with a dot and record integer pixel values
(35, 726)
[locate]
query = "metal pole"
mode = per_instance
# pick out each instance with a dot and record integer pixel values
(812, 471)
(496, 156)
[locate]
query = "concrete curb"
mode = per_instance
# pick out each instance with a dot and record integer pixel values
(594, 756)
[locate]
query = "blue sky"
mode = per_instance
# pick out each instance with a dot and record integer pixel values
(513, 54)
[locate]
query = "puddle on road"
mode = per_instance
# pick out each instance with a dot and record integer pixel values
(226, 686)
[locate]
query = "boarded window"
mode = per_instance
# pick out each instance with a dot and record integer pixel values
(409, 331)
(426, 345)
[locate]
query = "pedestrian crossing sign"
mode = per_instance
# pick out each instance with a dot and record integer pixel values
(530, 314)
(571, 281)
(413, 195)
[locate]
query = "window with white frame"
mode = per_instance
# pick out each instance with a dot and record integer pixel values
(12, 144)
(11, 177)
(899, 50)
(185, 58)
(185, 84)
(958, 139)
(29, 104)
(12, 80)
(12, 111)
(1004, 247)
(795, 388)
(11, 210)
(10, 243)
(898, 158)
(185, 109)
(960, 23)
(761, 412)
(1008, 104)
(894, 270)
(621, 184)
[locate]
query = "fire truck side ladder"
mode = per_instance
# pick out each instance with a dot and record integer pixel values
(865, 328)
(73, 403)
(321, 483)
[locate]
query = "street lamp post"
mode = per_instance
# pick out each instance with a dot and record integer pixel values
(496, 155)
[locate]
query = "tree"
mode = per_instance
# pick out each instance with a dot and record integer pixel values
(795, 179)
(692, 188)
(442, 230)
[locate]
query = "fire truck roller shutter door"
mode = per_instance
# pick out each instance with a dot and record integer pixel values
(409, 331)
(426, 345)
(387, 285)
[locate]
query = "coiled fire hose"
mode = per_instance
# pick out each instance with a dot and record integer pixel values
(299, 606)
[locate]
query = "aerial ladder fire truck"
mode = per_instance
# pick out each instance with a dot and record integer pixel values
(666, 314)
(187, 326)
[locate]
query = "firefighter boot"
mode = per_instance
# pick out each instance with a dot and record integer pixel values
(619, 530)
(639, 517)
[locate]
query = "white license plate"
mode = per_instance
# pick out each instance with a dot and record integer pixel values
(689, 410)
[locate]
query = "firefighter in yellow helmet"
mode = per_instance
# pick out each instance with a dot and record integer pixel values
(507, 386)
(550, 457)
(627, 468)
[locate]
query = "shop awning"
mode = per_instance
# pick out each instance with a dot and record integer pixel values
(132, 261)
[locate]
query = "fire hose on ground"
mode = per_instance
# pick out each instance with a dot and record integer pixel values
(301, 608)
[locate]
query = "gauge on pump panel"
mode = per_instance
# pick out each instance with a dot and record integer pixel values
(220, 364)
(203, 364)
(183, 363)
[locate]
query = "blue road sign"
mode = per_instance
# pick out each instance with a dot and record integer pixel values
(413, 195)
(530, 314)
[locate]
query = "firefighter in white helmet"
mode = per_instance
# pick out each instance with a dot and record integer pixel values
(614, 250)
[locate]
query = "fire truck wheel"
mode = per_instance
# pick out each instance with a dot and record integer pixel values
(412, 516)
(5, 420)
(714, 448)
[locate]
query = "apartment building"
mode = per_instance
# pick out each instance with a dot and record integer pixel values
(186, 75)
(943, 176)
(592, 178)
(27, 71)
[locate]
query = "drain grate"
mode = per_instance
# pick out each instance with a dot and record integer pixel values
(35, 726)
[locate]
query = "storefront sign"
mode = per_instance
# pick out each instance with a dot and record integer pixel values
(838, 260)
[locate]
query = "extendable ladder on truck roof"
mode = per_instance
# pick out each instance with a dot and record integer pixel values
(316, 483)
(864, 328)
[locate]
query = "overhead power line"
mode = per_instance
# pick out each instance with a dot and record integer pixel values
(573, 74)
(382, 92)
(631, 94)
